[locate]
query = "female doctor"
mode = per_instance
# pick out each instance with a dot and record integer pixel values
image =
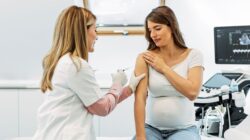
(73, 96)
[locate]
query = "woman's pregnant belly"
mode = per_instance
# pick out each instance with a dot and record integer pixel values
(169, 112)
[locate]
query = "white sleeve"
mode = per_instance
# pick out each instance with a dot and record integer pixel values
(84, 84)
(196, 59)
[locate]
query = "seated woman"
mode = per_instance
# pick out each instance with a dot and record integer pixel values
(174, 78)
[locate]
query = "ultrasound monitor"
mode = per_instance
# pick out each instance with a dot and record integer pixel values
(232, 45)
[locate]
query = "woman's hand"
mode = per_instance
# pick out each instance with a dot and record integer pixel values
(155, 61)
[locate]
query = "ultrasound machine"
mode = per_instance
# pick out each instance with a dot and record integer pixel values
(222, 97)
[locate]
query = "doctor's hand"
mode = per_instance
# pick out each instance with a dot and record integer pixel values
(134, 81)
(119, 77)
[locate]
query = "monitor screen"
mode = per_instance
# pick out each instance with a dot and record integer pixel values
(232, 45)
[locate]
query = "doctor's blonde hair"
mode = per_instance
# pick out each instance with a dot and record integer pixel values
(70, 36)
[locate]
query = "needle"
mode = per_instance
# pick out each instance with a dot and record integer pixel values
(127, 68)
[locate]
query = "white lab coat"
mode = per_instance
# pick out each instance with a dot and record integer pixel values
(63, 115)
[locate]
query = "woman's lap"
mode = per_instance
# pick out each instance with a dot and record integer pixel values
(190, 133)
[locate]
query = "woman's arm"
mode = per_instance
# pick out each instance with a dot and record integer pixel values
(189, 87)
(133, 82)
(140, 98)
(108, 102)
(103, 106)
(84, 84)
(126, 92)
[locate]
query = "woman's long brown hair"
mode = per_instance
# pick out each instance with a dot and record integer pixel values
(164, 15)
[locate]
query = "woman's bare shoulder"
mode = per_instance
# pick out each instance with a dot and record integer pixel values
(139, 57)
(141, 65)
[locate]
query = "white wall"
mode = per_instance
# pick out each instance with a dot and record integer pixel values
(114, 52)
(26, 29)
(197, 18)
